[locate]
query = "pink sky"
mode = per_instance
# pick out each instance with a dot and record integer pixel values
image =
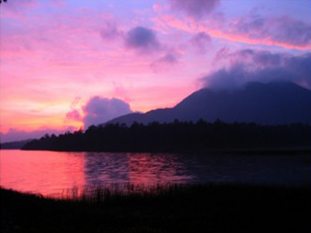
(57, 55)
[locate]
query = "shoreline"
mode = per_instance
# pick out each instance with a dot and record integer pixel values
(180, 208)
(235, 151)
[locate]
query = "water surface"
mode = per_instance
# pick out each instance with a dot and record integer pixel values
(49, 172)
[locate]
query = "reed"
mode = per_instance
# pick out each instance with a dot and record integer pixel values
(160, 208)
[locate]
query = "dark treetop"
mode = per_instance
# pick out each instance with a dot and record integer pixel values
(177, 136)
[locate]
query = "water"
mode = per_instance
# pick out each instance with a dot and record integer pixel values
(50, 173)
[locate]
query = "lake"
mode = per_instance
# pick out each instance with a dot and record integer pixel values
(50, 173)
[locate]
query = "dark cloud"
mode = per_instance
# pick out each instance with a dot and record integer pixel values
(282, 29)
(110, 31)
(19, 135)
(142, 39)
(261, 66)
(196, 9)
(100, 110)
(200, 41)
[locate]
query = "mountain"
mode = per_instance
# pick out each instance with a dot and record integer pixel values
(14, 145)
(272, 103)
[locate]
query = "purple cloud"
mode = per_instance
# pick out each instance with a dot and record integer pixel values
(142, 39)
(169, 58)
(261, 66)
(110, 31)
(165, 62)
(282, 30)
(255, 59)
(200, 41)
(196, 9)
(99, 110)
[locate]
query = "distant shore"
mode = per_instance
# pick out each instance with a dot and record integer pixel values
(233, 151)
(178, 137)
(177, 208)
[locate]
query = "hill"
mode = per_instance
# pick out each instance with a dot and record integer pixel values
(270, 104)
(14, 145)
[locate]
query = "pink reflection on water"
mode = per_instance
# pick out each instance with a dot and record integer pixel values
(53, 173)
(42, 172)
(153, 169)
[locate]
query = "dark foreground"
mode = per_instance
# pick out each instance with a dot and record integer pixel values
(198, 208)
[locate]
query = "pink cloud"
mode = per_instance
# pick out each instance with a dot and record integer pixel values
(74, 115)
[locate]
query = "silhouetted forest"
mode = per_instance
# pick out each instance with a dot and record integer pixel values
(177, 136)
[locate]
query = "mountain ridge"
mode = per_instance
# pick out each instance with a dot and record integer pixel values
(272, 103)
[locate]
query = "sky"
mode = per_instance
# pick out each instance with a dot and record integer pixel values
(68, 64)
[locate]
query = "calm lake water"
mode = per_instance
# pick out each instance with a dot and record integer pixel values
(49, 173)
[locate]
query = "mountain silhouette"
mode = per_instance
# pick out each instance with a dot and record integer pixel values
(271, 104)
(14, 144)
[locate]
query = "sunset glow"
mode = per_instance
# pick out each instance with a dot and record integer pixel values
(57, 56)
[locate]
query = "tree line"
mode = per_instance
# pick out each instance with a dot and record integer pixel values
(177, 136)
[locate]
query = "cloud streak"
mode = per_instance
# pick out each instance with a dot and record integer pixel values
(284, 30)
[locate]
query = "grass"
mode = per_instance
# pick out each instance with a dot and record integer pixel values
(174, 208)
